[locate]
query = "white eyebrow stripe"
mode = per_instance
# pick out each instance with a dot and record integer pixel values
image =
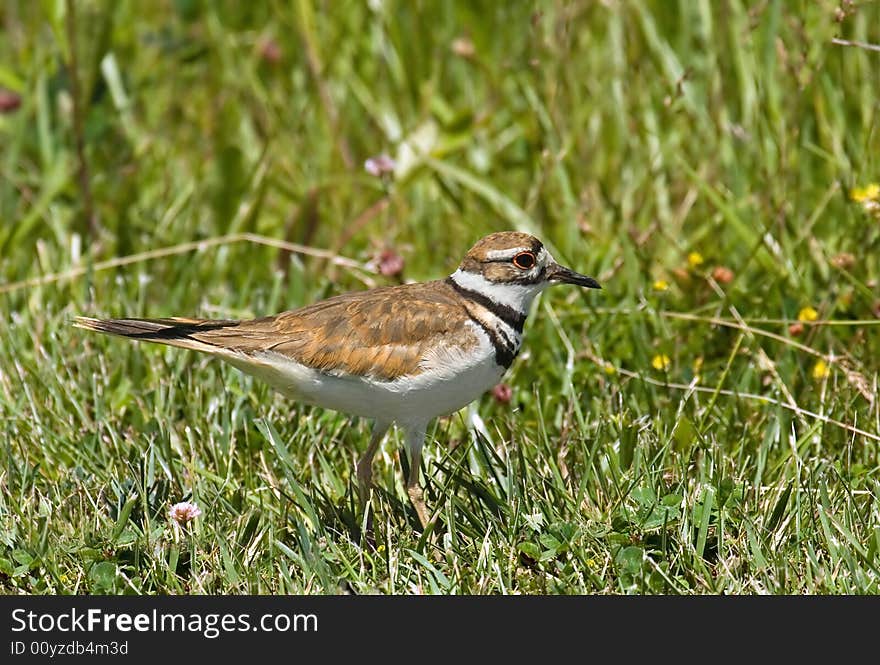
(495, 254)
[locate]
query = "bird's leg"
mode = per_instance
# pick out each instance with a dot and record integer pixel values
(365, 463)
(415, 439)
(365, 470)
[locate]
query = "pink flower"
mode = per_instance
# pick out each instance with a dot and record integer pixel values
(380, 165)
(723, 274)
(502, 393)
(270, 51)
(9, 101)
(390, 263)
(184, 512)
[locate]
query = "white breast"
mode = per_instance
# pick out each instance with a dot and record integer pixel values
(450, 379)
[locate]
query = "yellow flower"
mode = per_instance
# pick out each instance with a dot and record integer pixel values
(661, 285)
(820, 370)
(808, 314)
(610, 369)
(870, 192)
(660, 362)
(695, 259)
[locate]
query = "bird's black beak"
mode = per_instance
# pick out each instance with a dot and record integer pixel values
(558, 273)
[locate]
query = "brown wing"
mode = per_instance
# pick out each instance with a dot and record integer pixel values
(384, 333)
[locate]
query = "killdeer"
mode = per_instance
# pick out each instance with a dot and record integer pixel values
(400, 355)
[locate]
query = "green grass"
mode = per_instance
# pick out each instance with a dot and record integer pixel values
(628, 135)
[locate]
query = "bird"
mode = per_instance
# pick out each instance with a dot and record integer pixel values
(399, 355)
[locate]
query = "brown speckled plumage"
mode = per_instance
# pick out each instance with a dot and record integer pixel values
(383, 334)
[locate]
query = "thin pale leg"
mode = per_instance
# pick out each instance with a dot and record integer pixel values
(365, 463)
(365, 475)
(415, 440)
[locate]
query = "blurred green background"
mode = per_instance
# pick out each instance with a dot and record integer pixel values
(708, 423)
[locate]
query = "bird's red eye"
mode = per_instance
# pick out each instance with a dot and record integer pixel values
(524, 260)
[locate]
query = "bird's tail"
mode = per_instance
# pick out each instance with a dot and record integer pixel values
(175, 331)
